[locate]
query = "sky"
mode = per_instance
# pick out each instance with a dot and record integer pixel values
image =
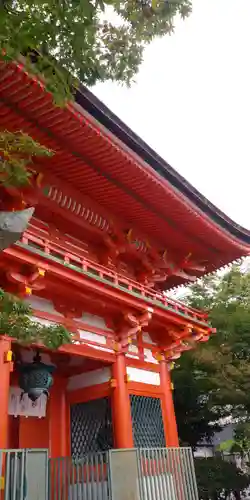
(191, 102)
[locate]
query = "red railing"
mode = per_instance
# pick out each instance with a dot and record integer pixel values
(70, 252)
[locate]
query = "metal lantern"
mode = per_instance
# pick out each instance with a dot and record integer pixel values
(35, 378)
(12, 226)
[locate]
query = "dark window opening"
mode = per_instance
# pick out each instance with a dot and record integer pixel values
(91, 427)
(147, 421)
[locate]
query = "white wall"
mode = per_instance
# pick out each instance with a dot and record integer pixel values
(143, 376)
(89, 379)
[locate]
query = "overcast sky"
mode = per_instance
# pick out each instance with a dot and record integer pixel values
(191, 102)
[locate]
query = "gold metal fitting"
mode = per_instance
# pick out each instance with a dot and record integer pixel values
(116, 346)
(159, 356)
(8, 357)
(39, 179)
(112, 383)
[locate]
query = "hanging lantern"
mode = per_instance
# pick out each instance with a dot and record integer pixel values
(12, 226)
(35, 378)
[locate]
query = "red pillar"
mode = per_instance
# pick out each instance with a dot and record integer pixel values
(59, 419)
(5, 368)
(121, 415)
(168, 413)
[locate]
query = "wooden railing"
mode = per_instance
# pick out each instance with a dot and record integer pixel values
(70, 253)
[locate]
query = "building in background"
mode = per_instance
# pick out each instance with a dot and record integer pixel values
(207, 449)
(114, 226)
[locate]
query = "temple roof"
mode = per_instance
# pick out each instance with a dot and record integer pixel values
(108, 119)
(99, 163)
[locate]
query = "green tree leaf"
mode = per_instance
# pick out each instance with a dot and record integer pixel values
(94, 40)
(15, 322)
(213, 381)
(217, 478)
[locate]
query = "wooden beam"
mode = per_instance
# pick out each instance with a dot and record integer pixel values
(98, 287)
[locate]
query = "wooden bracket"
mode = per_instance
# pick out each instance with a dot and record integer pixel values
(31, 280)
(132, 325)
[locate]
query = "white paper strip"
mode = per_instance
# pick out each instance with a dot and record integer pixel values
(26, 407)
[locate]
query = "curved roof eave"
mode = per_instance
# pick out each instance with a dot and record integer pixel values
(88, 101)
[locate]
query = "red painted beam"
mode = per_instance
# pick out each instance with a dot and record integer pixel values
(88, 352)
(62, 273)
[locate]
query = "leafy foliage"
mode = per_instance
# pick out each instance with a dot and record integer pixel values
(16, 152)
(218, 478)
(227, 354)
(194, 401)
(66, 41)
(213, 381)
(241, 440)
(93, 40)
(242, 436)
(15, 322)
